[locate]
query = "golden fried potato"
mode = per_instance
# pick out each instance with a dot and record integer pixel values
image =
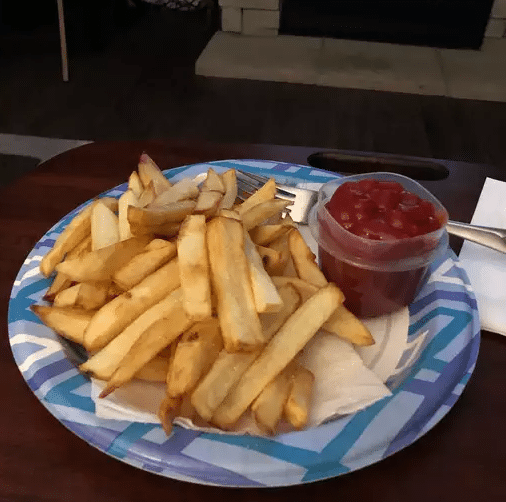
(230, 278)
(280, 351)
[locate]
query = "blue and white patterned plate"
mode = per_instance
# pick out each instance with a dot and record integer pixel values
(446, 308)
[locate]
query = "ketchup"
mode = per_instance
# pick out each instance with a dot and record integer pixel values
(373, 277)
(382, 210)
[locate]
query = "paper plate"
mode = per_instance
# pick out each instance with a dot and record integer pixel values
(421, 394)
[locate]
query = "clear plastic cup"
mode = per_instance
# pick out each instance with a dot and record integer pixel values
(376, 276)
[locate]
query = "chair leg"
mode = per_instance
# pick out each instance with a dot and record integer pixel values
(63, 42)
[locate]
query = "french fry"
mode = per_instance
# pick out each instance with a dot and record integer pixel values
(93, 295)
(268, 407)
(229, 367)
(195, 354)
(157, 369)
(304, 288)
(347, 326)
(67, 297)
(216, 384)
(208, 203)
(74, 233)
(230, 183)
(158, 335)
(304, 260)
(280, 245)
(114, 291)
(194, 270)
(116, 315)
(261, 212)
(230, 279)
(290, 268)
(84, 247)
(149, 172)
(186, 409)
(104, 227)
(156, 244)
(107, 360)
(156, 254)
(283, 347)
(148, 195)
(166, 230)
(341, 322)
(287, 221)
(264, 194)
(182, 190)
(66, 321)
(127, 199)
(154, 370)
(271, 259)
(172, 213)
(135, 184)
(213, 182)
(61, 281)
(169, 409)
(296, 409)
(265, 294)
(230, 213)
(263, 235)
(272, 322)
(275, 219)
(101, 265)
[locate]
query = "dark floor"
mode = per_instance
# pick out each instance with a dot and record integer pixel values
(141, 84)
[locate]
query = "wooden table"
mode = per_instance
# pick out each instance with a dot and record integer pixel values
(461, 458)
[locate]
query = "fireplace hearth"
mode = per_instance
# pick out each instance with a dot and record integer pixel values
(435, 23)
(251, 45)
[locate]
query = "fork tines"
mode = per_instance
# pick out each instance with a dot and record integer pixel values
(248, 182)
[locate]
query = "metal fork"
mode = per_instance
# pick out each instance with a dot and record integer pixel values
(304, 199)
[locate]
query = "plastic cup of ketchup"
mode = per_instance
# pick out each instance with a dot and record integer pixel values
(377, 234)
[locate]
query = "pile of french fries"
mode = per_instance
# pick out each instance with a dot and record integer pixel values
(187, 285)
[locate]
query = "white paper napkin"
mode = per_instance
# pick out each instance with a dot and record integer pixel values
(485, 267)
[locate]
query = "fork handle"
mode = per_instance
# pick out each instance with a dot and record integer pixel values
(485, 236)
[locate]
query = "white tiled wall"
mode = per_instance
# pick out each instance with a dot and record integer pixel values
(255, 17)
(231, 19)
(496, 27)
(499, 9)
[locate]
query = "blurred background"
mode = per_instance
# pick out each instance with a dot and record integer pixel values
(132, 76)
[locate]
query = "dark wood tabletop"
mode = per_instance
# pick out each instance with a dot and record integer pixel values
(462, 458)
